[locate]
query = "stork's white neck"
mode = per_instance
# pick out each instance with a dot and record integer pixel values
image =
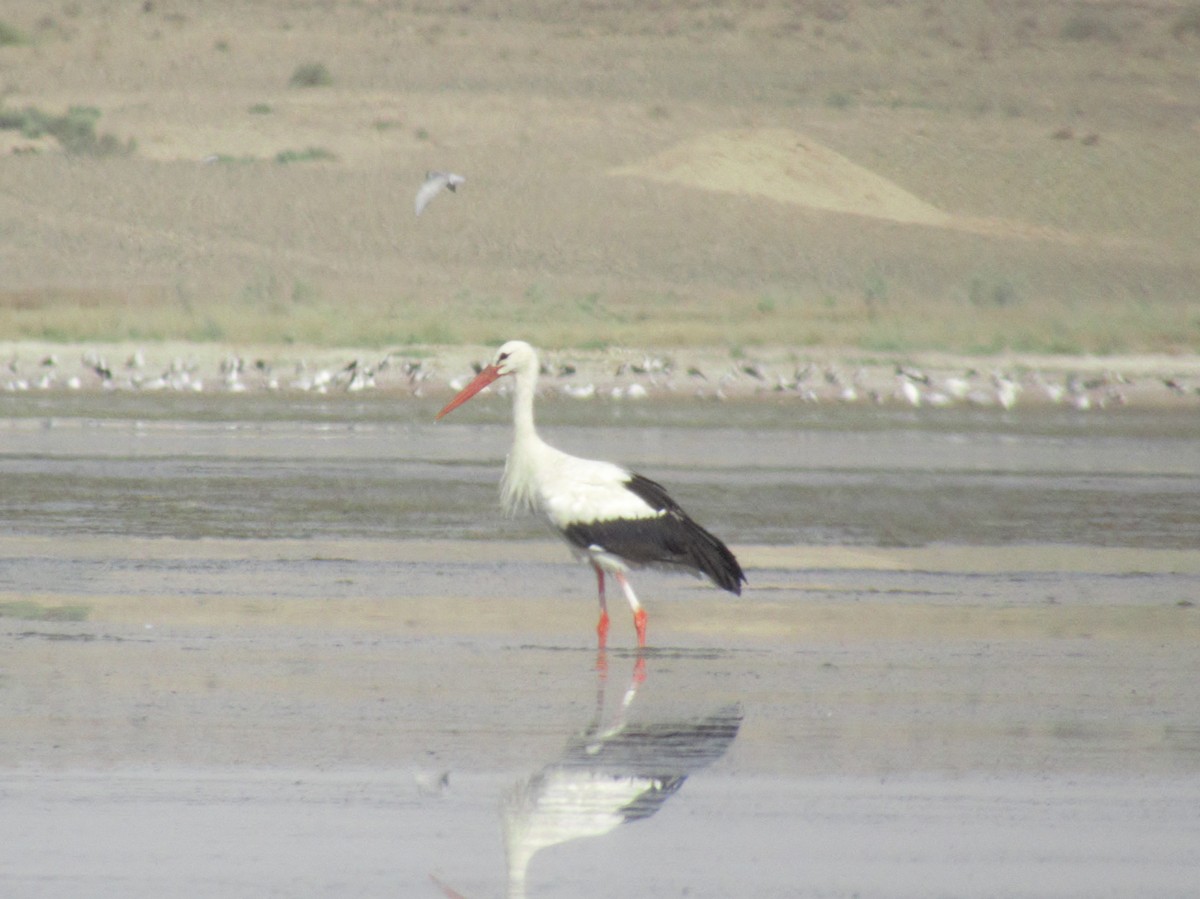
(518, 488)
(524, 389)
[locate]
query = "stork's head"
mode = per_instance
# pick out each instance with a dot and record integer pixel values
(513, 357)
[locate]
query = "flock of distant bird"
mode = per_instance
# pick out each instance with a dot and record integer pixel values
(232, 375)
(588, 379)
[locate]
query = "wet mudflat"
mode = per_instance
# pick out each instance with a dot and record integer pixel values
(310, 657)
(287, 466)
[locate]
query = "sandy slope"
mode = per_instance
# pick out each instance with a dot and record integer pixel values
(785, 166)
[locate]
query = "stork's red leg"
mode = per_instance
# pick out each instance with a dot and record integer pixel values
(602, 625)
(639, 614)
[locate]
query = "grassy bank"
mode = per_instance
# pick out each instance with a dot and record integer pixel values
(968, 325)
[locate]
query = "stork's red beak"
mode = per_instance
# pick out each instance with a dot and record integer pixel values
(485, 377)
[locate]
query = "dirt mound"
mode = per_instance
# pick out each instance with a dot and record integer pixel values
(785, 166)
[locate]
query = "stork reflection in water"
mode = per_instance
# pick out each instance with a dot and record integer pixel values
(609, 775)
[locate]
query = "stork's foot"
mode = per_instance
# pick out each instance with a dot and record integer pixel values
(602, 631)
(639, 622)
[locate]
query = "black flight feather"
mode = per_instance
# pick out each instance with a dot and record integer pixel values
(672, 538)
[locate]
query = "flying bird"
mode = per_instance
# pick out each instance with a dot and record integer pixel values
(612, 518)
(434, 182)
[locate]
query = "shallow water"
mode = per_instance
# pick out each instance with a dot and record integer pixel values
(286, 467)
(361, 767)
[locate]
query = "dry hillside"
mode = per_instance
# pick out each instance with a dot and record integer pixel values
(967, 176)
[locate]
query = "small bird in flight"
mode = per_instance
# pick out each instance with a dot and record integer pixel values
(434, 182)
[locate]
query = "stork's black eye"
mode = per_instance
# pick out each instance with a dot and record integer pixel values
(502, 357)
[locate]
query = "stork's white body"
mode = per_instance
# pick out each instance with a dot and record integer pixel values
(566, 489)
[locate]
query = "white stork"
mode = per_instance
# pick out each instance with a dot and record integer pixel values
(611, 517)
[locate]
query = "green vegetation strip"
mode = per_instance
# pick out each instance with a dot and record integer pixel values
(27, 610)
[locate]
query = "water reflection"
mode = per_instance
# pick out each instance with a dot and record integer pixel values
(609, 774)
